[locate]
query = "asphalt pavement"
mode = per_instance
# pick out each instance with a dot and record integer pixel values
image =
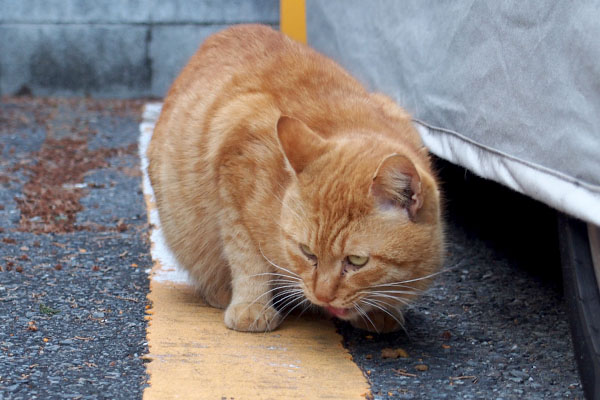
(74, 254)
(73, 250)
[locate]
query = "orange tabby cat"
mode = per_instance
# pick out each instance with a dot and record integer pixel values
(281, 183)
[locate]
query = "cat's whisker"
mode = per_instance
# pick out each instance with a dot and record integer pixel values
(307, 307)
(409, 292)
(380, 302)
(399, 299)
(404, 283)
(428, 276)
(296, 281)
(265, 294)
(290, 293)
(280, 283)
(290, 300)
(293, 308)
(393, 308)
(269, 274)
(285, 295)
(359, 312)
(275, 265)
(292, 286)
(286, 270)
(372, 303)
(398, 284)
(386, 307)
(396, 298)
(285, 288)
(285, 298)
(288, 282)
(366, 315)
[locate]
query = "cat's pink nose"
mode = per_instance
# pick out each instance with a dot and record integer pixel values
(325, 298)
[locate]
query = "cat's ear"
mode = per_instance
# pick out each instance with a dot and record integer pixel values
(300, 144)
(397, 184)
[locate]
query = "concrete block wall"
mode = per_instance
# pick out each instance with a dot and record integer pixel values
(110, 48)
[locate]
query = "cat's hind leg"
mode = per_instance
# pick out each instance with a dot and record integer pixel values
(219, 296)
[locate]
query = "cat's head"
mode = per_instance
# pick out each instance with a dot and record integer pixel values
(361, 221)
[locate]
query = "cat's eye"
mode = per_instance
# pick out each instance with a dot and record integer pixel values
(358, 261)
(306, 250)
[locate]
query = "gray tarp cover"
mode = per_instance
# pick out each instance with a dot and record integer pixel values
(509, 89)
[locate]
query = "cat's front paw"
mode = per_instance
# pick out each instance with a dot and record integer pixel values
(252, 317)
(379, 322)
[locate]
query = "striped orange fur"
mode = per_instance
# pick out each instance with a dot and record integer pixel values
(277, 175)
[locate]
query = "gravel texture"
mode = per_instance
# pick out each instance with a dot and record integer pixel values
(74, 250)
(72, 300)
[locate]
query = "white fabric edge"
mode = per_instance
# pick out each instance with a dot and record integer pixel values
(538, 184)
(168, 269)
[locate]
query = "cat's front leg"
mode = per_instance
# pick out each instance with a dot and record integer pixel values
(251, 317)
(250, 309)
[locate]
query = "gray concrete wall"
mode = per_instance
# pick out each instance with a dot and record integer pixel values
(110, 48)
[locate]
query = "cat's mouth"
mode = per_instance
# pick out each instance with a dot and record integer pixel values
(338, 312)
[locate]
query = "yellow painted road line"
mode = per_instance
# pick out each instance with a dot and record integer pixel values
(292, 19)
(193, 356)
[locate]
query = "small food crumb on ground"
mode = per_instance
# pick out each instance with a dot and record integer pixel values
(31, 326)
(394, 353)
(421, 367)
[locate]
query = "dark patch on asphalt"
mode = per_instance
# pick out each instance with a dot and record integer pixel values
(50, 198)
(72, 276)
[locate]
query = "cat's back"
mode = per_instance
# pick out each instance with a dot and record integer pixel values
(204, 85)
(239, 57)
(258, 59)
(250, 75)
(227, 64)
(254, 74)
